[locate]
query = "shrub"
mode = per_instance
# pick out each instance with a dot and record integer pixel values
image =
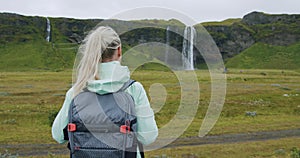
(295, 153)
(52, 116)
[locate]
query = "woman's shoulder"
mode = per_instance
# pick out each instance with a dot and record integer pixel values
(69, 93)
(137, 85)
(136, 88)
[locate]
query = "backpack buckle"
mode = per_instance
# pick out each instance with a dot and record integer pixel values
(125, 129)
(71, 127)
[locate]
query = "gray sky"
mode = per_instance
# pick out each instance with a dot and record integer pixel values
(197, 10)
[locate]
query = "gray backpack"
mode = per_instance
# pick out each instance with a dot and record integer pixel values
(103, 126)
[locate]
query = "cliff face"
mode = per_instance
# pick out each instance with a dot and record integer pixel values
(231, 40)
(71, 30)
(256, 18)
(232, 37)
(280, 30)
(18, 28)
(274, 29)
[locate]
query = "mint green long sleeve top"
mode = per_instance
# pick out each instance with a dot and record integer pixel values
(112, 77)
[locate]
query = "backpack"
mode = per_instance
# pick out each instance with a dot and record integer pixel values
(103, 126)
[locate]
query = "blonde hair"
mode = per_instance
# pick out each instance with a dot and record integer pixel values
(99, 43)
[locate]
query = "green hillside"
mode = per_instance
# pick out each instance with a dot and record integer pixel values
(266, 56)
(23, 45)
(258, 40)
(35, 55)
(226, 22)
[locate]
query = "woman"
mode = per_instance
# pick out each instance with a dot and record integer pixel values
(100, 71)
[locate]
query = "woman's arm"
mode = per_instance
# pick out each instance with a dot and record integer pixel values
(147, 130)
(61, 120)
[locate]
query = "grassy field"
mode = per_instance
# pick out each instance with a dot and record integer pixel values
(28, 101)
(281, 148)
(266, 56)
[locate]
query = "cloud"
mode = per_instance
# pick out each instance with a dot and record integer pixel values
(205, 10)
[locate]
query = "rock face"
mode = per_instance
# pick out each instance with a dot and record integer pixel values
(18, 28)
(274, 29)
(231, 38)
(71, 30)
(255, 27)
(256, 18)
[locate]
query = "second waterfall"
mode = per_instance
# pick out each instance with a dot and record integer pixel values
(48, 29)
(188, 48)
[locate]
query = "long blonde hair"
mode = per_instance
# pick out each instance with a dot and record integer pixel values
(99, 43)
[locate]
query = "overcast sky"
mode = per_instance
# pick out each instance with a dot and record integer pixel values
(197, 10)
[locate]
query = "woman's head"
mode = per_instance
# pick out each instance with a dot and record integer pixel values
(101, 45)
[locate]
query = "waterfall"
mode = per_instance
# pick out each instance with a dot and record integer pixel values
(187, 48)
(167, 44)
(48, 30)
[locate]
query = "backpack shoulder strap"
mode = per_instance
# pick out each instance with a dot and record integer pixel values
(126, 85)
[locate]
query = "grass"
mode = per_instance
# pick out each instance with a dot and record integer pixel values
(273, 148)
(35, 56)
(25, 123)
(27, 99)
(267, 56)
(159, 22)
(226, 22)
(280, 148)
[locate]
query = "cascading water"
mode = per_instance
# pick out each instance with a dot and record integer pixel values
(187, 48)
(167, 44)
(48, 30)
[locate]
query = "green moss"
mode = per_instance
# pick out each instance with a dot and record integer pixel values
(245, 27)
